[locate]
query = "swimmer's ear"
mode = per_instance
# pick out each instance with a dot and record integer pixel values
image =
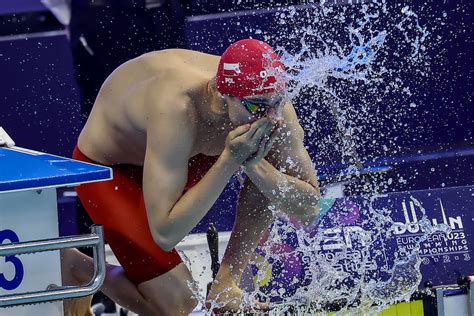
(5, 139)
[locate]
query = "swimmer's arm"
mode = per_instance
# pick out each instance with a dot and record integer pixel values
(295, 188)
(172, 215)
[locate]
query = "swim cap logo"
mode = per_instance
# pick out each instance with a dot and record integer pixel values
(231, 70)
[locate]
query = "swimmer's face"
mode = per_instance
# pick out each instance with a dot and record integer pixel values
(251, 108)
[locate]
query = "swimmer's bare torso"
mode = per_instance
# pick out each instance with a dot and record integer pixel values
(157, 89)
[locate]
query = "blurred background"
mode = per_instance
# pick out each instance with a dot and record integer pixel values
(54, 58)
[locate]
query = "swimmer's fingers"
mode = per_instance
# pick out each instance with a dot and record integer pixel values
(266, 144)
(256, 126)
(262, 132)
(264, 147)
(253, 138)
(239, 145)
(241, 130)
(271, 141)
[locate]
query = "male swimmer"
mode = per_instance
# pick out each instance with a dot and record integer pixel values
(175, 125)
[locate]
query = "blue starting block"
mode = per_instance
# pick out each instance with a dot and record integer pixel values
(29, 224)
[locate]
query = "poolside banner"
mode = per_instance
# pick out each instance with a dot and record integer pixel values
(367, 235)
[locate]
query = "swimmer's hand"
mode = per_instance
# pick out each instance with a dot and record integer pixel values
(245, 141)
(265, 145)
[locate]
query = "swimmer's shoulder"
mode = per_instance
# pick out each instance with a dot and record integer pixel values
(179, 61)
(178, 53)
(171, 126)
(169, 108)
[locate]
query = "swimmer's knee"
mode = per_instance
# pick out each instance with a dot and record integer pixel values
(170, 293)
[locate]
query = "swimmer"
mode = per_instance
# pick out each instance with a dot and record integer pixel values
(175, 125)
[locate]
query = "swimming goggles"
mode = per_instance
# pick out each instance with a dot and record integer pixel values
(254, 108)
(257, 108)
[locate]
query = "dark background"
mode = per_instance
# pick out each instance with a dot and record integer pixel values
(430, 145)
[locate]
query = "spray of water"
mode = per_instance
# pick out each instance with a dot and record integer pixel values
(350, 61)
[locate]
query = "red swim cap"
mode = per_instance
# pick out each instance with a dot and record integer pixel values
(250, 67)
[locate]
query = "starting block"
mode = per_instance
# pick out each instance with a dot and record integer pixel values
(30, 267)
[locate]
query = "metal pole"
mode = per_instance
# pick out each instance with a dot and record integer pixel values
(95, 239)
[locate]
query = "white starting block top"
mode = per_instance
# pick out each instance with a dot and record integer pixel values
(23, 169)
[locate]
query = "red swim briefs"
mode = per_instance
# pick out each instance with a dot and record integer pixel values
(119, 206)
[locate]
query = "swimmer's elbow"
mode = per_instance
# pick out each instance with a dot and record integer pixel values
(163, 241)
(161, 229)
(165, 244)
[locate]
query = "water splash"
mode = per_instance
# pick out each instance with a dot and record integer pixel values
(348, 65)
(352, 62)
(341, 279)
(314, 71)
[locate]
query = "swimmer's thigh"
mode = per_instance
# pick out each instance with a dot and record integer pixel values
(171, 292)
